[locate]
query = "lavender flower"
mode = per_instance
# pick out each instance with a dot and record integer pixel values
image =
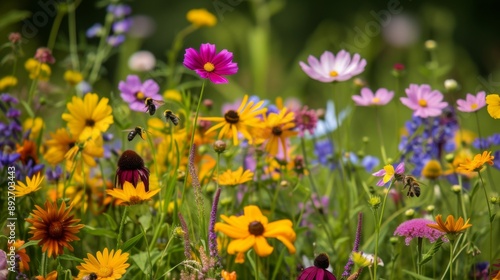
(212, 236)
(122, 26)
(187, 246)
(348, 266)
(134, 92)
(120, 10)
(94, 31)
(324, 150)
(7, 98)
(115, 40)
(417, 228)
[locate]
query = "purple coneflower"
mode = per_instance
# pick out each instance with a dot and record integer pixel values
(424, 101)
(318, 271)
(417, 228)
(381, 97)
(131, 169)
(134, 92)
(209, 64)
(472, 103)
(330, 68)
(305, 120)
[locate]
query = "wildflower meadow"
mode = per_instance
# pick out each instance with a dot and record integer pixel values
(201, 142)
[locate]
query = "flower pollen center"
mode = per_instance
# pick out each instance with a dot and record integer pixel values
(105, 271)
(277, 131)
(232, 117)
(140, 95)
(256, 228)
(376, 100)
(209, 67)
(334, 73)
(422, 103)
(473, 106)
(135, 200)
(56, 230)
(130, 160)
(322, 261)
(89, 122)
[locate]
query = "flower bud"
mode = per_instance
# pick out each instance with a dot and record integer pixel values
(430, 208)
(15, 37)
(410, 213)
(456, 189)
(450, 85)
(208, 103)
(219, 146)
(374, 201)
(394, 240)
(430, 45)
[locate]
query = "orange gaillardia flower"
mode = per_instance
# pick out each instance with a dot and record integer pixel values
(55, 228)
(450, 227)
(50, 276)
(25, 259)
(476, 163)
(107, 265)
(252, 229)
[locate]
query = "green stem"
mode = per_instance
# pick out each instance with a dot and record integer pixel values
(34, 83)
(148, 251)
(100, 54)
(490, 219)
(43, 265)
(55, 27)
(377, 228)
(256, 266)
(122, 224)
(451, 259)
(380, 135)
(72, 34)
(419, 255)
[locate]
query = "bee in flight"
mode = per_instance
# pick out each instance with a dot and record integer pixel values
(169, 115)
(151, 105)
(412, 184)
(91, 276)
(134, 132)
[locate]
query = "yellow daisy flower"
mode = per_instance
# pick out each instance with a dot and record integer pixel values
(36, 125)
(32, 185)
(73, 77)
(7, 81)
(252, 229)
(476, 163)
(432, 169)
(88, 117)
(277, 128)
(450, 226)
(238, 121)
(130, 195)
(493, 101)
(201, 17)
(233, 178)
(106, 265)
(38, 70)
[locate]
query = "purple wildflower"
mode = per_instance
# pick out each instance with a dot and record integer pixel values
(305, 120)
(94, 31)
(115, 40)
(318, 271)
(314, 205)
(209, 64)
(134, 92)
(348, 266)
(13, 113)
(324, 150)
(119, 10)
(187, 245)
(7, 159)
(370, 162)
(122, 26)
(7, 98)
(330, 68)
(212, 236)
(54, 175)
(381, 97)
(417, 228)
(424, 101)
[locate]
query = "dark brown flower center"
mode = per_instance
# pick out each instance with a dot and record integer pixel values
(256, 228)
(56, 230)
(130, 160)
(277, 131)
(232, 117)
(90, 122)
(135, 200)
(71, 145)
(322, 261)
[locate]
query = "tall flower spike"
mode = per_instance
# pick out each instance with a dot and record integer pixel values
(212, 236)
(348, 266)
(187, 243)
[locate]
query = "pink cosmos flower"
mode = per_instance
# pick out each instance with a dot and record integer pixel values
(424, 101)
(417, 228)
(381, 97)
(472, 103)
(332, 68)
(134, 92)
(209, 64)
(388, 172)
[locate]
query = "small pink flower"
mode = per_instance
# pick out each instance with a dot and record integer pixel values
(424, 101)
(388, 172)
(332, 68)
(417, 228)
(472, 103)
(381, 97)
(209, 64)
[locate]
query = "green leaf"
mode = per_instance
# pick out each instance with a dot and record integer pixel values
(145, 221)
(28, 108)
(142, 261)
(31, 243)
(416, 275)
(131, 242)
(112, 223)
(99, 231)
(13, 16)
(492, 218)
(70, 258)
(428, 256)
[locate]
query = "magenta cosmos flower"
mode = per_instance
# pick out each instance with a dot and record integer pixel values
(209, 64)
(134, 92)
(472, 103)
(381, 97)
(424, 101)
(388, 172)
(330, 68)
(417, 228)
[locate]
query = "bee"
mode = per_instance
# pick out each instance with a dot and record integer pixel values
(151, 105)
(134, 132)
(412, 184)
(169, 115)
(91, 276)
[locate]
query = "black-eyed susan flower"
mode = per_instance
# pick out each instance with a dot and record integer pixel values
(238, 121)
(131, 169)
(251, 229)
(201, 17)
(476, 163)
(233, 178)
(493, 101)
(450, 227)
(54, 228)
(32, 185)
(105, 265)
(88, 117)
(131, 195)
(277, 128)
